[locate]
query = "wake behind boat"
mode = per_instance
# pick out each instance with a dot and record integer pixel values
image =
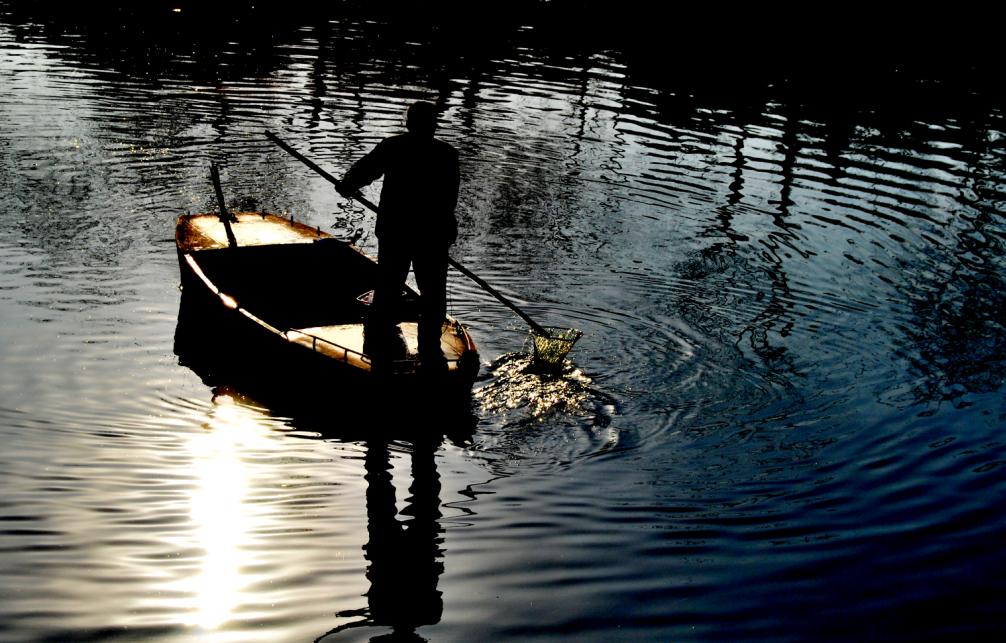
(288, 296)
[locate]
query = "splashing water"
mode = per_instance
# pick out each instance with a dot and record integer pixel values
(518, 384)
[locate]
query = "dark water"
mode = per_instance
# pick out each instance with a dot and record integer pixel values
(784, 420)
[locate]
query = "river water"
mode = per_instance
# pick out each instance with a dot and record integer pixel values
(784, 419)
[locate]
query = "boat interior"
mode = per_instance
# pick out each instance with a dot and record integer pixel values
(300, 285)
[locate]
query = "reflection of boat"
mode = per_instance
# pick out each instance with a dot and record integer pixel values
(291, 300)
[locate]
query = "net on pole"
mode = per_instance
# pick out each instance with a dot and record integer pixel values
(550, 350)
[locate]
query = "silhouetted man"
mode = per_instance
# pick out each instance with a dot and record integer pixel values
(415, 225)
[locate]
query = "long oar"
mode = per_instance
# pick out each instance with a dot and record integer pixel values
(554, 343)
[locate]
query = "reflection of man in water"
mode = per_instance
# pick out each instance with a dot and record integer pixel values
(415, 225)
(405, 549)
(405, 557)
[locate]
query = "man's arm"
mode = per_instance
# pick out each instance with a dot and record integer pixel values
(365, 171)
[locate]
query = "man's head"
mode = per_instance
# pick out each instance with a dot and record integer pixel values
(421, 118)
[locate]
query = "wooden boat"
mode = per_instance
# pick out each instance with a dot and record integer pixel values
(292, 299)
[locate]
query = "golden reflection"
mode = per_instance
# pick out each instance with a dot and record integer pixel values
(516, 385)
(223, 518)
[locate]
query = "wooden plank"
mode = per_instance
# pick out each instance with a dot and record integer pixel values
(206, 231)
(351, 336)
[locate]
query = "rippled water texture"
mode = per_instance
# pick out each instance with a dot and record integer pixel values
(783, 421)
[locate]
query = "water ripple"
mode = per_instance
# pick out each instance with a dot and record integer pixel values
(790, 287)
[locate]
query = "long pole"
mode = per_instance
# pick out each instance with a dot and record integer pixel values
(498, 295)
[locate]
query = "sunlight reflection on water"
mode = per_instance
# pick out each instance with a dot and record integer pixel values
(220, 510)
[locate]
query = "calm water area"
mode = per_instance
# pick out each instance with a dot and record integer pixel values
(784, 420)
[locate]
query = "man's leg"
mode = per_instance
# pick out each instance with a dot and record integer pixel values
(392, 269)
(381, 336)
(431, 277)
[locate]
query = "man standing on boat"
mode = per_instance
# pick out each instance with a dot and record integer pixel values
(415, 225)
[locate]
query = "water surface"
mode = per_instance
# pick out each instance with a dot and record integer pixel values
(783, 421)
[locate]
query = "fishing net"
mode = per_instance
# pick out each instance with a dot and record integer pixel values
(550, 350)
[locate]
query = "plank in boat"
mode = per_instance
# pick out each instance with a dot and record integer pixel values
(207, 232)
(346, 342)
